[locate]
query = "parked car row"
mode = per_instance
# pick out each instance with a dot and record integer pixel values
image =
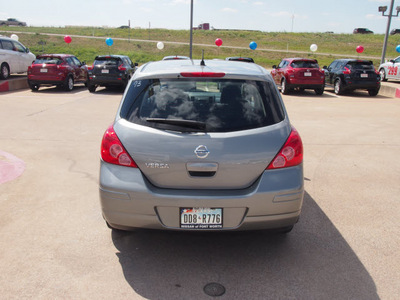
(65, 70)
(343, 75)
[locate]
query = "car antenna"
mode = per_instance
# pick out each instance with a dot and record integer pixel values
(202, 63)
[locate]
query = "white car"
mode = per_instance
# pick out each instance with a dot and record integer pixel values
(14, 57)
(390, 69)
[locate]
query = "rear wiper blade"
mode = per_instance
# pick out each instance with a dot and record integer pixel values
(179, 122)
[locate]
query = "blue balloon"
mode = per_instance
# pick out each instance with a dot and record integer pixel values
(109, 41)
(398, 48)
(253, 45)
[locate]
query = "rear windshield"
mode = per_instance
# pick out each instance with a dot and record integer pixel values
(360, 65)
(106, 61)
(243, 59)
(202, 105)
(304, 64)
(48, 60)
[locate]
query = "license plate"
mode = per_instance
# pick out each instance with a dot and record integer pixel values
(364, 75)
(105, 71)
(308, 74)
(43, 70)
(201, 218)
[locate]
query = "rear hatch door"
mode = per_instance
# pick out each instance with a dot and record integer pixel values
(175, 160)
(47, 67)
(362, 71)
(306, 70)
(106, 67)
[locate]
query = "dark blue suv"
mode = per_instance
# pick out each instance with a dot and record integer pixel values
(346, 75)
(110, 70)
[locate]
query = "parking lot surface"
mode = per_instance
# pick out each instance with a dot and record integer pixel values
(55, 245)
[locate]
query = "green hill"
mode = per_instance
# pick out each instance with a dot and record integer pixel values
(140, 44)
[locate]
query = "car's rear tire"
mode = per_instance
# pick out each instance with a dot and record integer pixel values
(319, 91)
(382, 72)
(338, 87)
(91, 88)
(284, 87)
(34, 87)
(373, 92)
(69, 84)
(4, 71)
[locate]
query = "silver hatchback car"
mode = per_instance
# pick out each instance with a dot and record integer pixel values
(201, 145)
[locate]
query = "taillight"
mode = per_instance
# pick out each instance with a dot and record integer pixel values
(291, 154)
(90, 68)
(121, 67)
(346, 71)
(203, 74)
(112, 150)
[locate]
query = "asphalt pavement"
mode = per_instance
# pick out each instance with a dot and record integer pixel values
(55, 245)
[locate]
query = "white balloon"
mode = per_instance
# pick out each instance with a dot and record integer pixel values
(313, 47)
(160, 45)
(14, 37)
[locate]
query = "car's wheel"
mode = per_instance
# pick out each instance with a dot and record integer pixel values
(4, 71)
(382, 72)
(338, 87)
(319, 91)
(285, 230)
(284, 87)
(373, 92)
(91, 88)
(69, 84)
(34, 87)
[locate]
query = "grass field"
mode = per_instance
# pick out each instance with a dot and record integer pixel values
(140, 44)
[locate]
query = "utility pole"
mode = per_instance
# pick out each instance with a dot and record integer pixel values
(191, 28)
(383, 9)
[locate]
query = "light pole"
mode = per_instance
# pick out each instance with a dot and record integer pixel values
(191, 27)
(383, 9)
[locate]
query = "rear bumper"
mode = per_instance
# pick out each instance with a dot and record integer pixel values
(108, 80)
(46, 80)
(306, 86)
(128, 200)
(360, 85)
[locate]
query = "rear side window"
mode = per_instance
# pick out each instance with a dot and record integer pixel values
(18, 47)
(7, 45)
(304, 64)
(70, 61)
(202, 105)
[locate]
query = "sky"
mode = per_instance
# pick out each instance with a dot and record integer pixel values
(339, 16)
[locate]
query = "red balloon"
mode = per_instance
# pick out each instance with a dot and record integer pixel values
(67, 39)
(218, 42)
(360, 49)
